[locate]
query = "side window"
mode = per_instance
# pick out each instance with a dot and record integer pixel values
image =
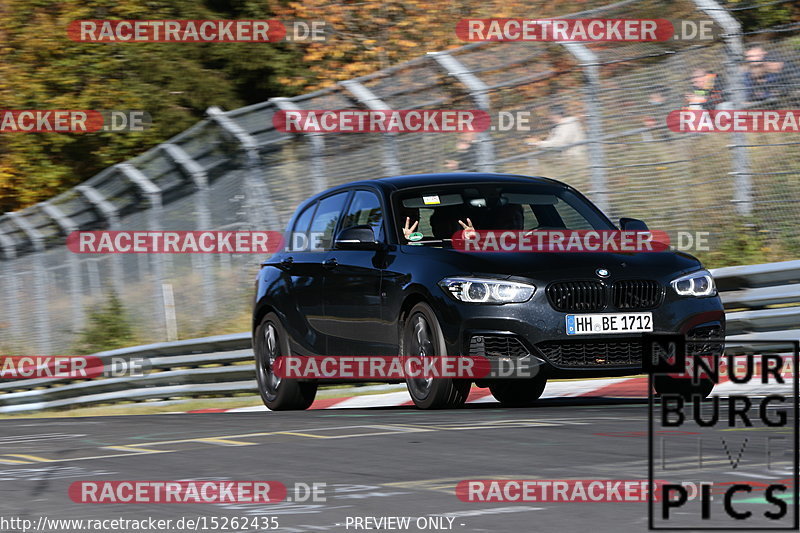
(299, 234)
(365, 209)
(324, 223)
(530, 218)
(572, 219)
(424, 226)
(560, 215)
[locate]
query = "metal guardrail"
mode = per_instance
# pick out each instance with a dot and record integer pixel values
(761, 302)
(222, 365)
(235, 170)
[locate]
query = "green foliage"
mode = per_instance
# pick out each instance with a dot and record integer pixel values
(747, 244)
(764, 14)
(108, 327)
(40, 68)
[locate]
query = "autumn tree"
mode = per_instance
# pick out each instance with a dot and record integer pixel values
(369, 35)
(40, 68)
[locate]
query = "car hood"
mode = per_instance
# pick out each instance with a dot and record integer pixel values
(555, 266)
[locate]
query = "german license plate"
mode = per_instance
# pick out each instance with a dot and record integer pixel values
(605, 323)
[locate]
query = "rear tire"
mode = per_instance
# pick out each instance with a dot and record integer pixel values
(518, 392)
(278, 394)
(683, 387)
(422, 337)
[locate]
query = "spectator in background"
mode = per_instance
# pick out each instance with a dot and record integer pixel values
(566, 131)
(658, 110)
(706, 91)
(761, 77)
(466, 157)
(778, 78)
(787, 83)
(754, 74)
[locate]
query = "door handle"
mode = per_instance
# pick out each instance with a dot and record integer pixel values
(330, 263)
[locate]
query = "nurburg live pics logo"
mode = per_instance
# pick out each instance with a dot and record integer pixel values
(757, 433)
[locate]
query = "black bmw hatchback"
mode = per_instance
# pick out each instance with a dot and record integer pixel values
(370, 268)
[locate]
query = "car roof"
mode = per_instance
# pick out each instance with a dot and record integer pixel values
(393, 183)
(448, 178)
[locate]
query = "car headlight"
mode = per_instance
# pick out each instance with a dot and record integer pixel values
(698, 283)
(487, 291)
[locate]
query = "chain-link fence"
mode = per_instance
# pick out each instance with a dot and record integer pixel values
(234, 170)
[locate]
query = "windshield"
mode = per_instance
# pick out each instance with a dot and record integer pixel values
(429, 216)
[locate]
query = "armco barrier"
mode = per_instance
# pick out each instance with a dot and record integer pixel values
(235, 170)
(223, 364)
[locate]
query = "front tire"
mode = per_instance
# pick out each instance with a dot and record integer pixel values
(683, 387)
(518, 392)
(422, 337)
(278, 394)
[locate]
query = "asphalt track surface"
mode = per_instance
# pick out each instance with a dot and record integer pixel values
(375, 462)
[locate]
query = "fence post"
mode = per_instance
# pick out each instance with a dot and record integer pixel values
(152, 193)
(261, 212)
(391, 164)
(316, 143)
(11, 286)
(67, 226)
(111, 215)
(591, 91)
(41, 322)
(479, 92)
(734, 55)
(93, 273)
(198, 175)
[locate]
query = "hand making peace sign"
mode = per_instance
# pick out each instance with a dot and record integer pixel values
(409, 228)
(469, 230)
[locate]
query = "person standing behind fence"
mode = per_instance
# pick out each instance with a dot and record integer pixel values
(780, 79)
(786, 84)
(754, 74)
(765, 81)
(465, 157)
(569, 161)
(762, 77)
(566, 132)
(706, 92)
(654, 120)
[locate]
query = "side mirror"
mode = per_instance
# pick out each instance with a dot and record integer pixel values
(356, 238)
(632, 224)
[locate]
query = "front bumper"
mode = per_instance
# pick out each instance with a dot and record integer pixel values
(537, 330)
